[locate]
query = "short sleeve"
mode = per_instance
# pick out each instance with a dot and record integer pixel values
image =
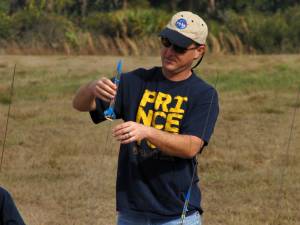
(202, 116)
(97, 115)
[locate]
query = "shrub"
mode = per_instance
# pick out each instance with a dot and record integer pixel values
(50, 29)
(5, 26)
(232, 32)
(264, 33)
(292, 16)
(4, 6)
(127, 22)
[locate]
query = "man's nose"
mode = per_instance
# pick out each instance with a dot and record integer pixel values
(169, 51)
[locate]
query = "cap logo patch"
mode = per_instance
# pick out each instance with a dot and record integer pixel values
(181, 23)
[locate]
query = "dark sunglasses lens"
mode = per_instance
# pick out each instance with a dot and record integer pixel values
(178, 49)
(165, 42)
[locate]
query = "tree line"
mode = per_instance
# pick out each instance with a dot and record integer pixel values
(209, 7)
(91, 26)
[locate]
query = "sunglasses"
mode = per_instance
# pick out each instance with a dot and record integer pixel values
(180, 50)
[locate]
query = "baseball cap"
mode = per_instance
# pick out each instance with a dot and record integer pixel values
(184, 28)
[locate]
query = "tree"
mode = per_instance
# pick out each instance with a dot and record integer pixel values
(211, 6)
(16, 5)
(83, 7)
(125, 4)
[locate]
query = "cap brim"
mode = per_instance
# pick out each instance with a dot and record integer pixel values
(176, 37)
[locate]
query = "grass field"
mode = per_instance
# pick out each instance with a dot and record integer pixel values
(61, 168)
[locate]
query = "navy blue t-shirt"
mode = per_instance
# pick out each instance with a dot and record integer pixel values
(150, 182)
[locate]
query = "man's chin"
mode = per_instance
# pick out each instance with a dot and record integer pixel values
(169, 70)
(169, 65)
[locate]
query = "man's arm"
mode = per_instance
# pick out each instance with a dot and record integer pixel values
(180, 145)
(84, 99)
(103, 89)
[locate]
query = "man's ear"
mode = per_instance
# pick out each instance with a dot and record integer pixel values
(199, 51)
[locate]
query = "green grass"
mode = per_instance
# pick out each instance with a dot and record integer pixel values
(280, 77)
(5, 99)
(61, 168)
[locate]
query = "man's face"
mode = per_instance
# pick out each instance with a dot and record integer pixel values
(176, 59)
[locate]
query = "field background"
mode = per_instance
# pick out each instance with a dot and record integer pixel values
(61, 168)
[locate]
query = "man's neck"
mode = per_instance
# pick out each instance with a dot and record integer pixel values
(177, 76)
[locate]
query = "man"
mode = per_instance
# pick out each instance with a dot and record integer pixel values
(169, 115)
(9, 214)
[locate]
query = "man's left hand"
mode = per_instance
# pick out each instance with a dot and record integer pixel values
(130, 131)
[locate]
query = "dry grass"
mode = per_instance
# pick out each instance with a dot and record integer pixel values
(61, 168)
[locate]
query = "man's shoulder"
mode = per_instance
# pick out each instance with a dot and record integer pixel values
(141, 74)
(201, 86)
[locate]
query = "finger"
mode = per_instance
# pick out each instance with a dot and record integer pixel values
(107, 89)
(102, 94)
(104, 98)
(123, 137)
(122, 131)
(110, 84)
(121, 126)
(129, 140)
(105, 85)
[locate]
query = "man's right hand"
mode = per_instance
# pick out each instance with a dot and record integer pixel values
(103, 88)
